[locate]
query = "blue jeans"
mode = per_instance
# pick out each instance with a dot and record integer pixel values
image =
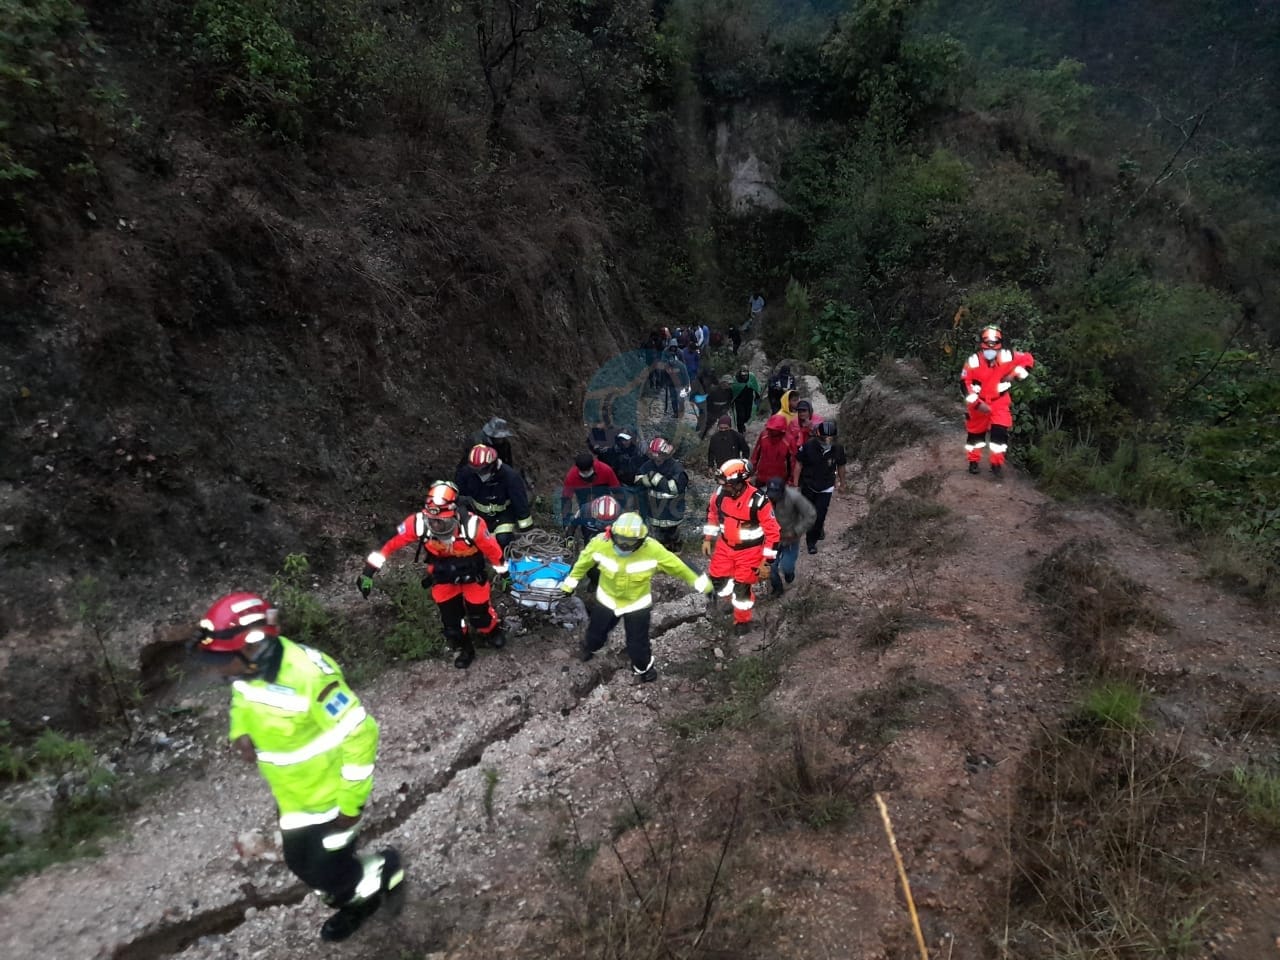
(784, 565)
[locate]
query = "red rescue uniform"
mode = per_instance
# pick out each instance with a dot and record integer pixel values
(989, 382)
(456, 568)
(748, 534)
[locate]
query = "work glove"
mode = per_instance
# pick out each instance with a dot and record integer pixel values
(428, 581)
(364, 583)
(566, 589)
(345, 821)
(706, 548)
(763, 571)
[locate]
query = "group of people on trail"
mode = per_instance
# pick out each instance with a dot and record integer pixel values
(293, 713)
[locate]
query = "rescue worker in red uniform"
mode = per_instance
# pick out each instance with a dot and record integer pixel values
(741, 522)
(496, 491)
(988, 376)
(457, 544)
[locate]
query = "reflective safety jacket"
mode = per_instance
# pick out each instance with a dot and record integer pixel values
(459, 560)
(991, 380)
(743, 522)
(625, 578)
(503, 499)
(665, 485)
(315, 742)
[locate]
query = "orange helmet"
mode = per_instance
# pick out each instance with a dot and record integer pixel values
(482, 456)
(605, 509)
(443, 501)
(234, 622)
(735, 471)
(661, 447)
(991, 337)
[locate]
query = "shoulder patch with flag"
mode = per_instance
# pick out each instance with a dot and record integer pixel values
(337, 703)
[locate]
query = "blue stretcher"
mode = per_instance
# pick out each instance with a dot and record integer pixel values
(535, 582)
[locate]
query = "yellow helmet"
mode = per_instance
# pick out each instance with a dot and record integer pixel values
(628, 532)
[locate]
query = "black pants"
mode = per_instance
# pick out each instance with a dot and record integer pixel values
(742, 410)
(335, 873)
(636, 627)
(820, 501)
(452, 613)
(668, 536)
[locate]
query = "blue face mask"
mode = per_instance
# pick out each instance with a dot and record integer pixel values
(623, 552)
(989, 354)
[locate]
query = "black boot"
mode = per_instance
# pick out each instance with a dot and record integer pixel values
(390, 894)
(997, 470)
(973, 467)
(497, 639)
(466, 654)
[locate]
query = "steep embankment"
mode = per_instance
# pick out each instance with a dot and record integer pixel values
(539, 800)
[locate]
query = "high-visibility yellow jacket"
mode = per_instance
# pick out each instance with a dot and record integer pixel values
(625, 578)
(315, 742)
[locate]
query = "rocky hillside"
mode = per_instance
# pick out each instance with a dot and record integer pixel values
(1053, 705)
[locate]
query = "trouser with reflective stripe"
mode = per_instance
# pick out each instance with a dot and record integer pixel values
(983, 427)
(636, 627)
(323, 857)
(733, 573)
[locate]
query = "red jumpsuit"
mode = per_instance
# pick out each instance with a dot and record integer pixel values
(989, 382)
(455, 568)
(748, 535)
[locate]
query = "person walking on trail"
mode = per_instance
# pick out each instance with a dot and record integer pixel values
(805, 424)
(746, 396)
(780, 383)
(315, 744)
(819, 473)
(773, 455)
(664, 481)
(673, 380)
(587, 478)
(626, 558)
(456, 544)
(719, 402)
(796, 517)
(496, 492)
(725, 444)
(626, 457)
(755, 307)
(735, 336)
(495, 433)
(741, 538)
(988, 377)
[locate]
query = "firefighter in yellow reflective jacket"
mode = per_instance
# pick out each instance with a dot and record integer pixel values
(292, 712)
(627, 559)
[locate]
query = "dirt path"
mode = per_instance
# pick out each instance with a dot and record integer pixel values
(915, 666)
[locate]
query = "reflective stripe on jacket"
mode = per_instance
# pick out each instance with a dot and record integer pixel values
(315, 743)
(625, 579)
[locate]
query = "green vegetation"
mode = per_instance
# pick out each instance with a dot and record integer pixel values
(747, 681)
(88, 803)
(1116, 704)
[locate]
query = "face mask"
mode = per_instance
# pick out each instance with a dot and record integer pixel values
(623, 551)
(989, 354)
(486, 474)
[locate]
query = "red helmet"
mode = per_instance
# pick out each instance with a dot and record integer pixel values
(733, 471)
(236, 621)
(991, 337)
(605, 509)
(482, 456)
(661, 447)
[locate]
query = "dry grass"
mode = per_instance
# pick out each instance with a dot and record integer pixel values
(1116, 843)
(1091, 604)
(903, 525)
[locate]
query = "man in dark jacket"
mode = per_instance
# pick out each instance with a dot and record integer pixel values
(780, 383)
(819, 472)
(664, 481)
(746, 394)
(626, 456)
(726, 444)
(719, 401)
(496, 492)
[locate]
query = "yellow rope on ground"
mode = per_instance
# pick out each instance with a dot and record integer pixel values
(902, 874)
